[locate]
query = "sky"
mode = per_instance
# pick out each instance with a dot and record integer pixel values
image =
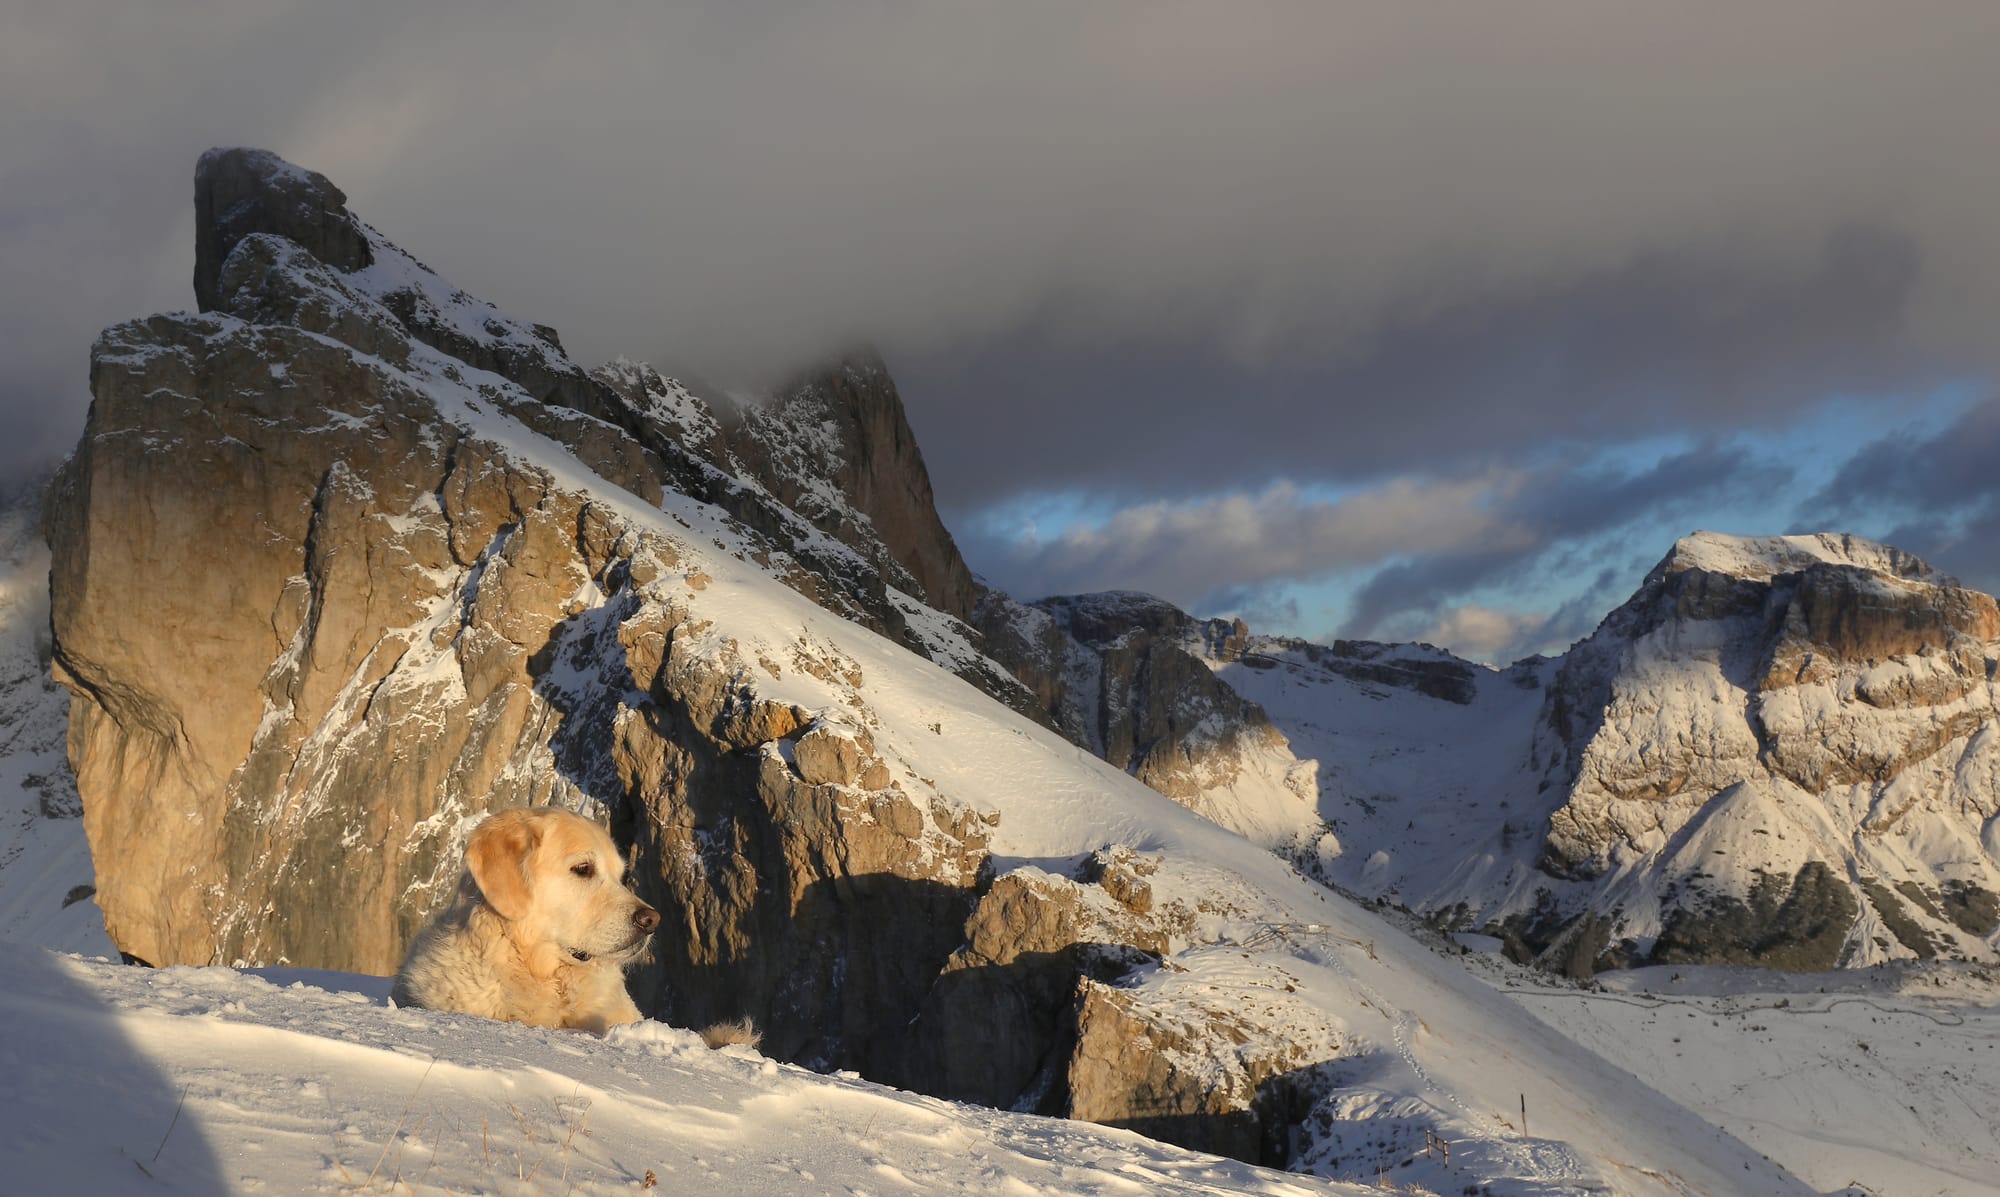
(1350, 319)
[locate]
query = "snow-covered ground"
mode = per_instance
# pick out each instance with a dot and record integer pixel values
(45, 873)
(1410, 781)
(211, 1081)
(1882, 1081)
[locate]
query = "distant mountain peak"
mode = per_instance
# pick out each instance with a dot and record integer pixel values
(1756, 558)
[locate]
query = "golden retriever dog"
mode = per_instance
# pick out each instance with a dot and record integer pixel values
(540, 931)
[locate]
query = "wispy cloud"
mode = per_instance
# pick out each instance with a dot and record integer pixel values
(1934, 492)
(1415, 551)
(1484, 633)
(1189, 550)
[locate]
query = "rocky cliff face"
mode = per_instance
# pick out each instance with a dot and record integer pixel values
(1802, 726)
(350, 558)
(836, 447)
(1124, 677)
(826, 477)
(1777, 752)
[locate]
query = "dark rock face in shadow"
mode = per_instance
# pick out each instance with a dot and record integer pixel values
(238, 192)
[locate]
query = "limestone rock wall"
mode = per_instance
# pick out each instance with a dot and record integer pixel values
(1786, 734)
(343, 562)
(1124, 676)
(837, 447)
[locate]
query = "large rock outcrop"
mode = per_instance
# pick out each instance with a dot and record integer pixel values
(318, 608)
(1787, 734)
(1123, 675)
(344, 561)
(836, 447)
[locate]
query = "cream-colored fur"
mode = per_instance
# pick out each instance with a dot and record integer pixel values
(540, 931)
(730, 1034)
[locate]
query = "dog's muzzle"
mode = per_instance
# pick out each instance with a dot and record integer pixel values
(645, 920)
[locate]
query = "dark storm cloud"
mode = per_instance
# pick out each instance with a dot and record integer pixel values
(103, 109)
(1419, 544)
(1336, 235)
(1552, 516)
(1657, 345)
(1935, 494)
(1161, 255)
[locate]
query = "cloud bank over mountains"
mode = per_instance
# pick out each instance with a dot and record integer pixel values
(1210, 264)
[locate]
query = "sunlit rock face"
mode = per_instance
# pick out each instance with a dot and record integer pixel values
(321, 600)
(1794, 739)
(350, 558)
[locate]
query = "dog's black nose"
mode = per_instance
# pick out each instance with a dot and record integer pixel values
(646, 918)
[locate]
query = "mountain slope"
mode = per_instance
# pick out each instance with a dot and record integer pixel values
(1780, 750)
(459, 594)
(46, 883)
(211, 1081)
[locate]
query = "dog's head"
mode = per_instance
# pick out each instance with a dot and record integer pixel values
(558, 881)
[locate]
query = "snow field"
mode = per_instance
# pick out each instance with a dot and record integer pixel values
(1880, 1081)
(209, 1081)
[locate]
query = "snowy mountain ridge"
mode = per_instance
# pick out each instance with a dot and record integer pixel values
(457, 596)
(1760, 557)
(1778, 751)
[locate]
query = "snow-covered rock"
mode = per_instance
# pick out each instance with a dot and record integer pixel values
(324, 590)
(323, 594)
(1123, 675)
(1780, 750)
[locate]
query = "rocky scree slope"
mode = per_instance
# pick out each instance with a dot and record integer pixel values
(387, 586)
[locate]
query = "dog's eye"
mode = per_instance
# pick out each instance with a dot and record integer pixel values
(586, 869)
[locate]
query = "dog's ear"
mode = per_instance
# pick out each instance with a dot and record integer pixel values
(497, 857)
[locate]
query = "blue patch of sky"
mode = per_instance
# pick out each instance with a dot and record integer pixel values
(1814, 446)
(1838, 428)
(1044, 516)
